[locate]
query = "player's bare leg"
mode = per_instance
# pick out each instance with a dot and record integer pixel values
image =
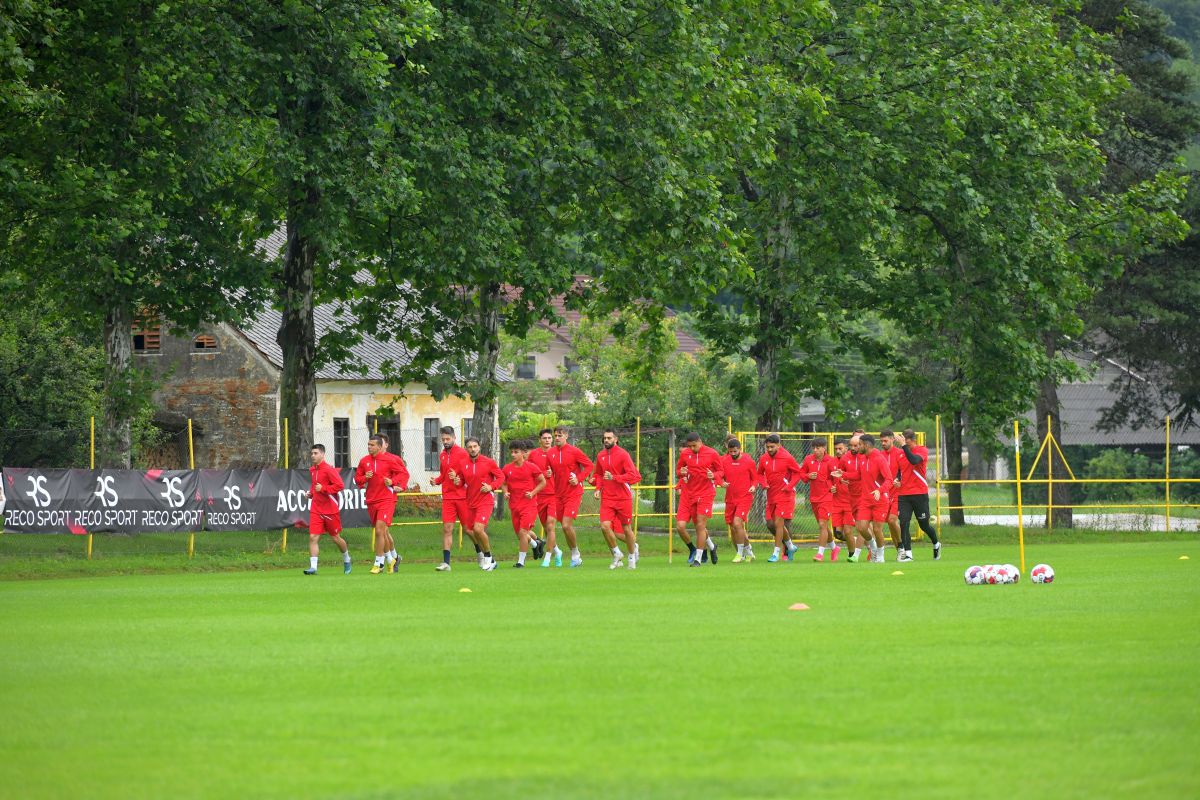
(550, 537)
(742, 540)
(483, 543)
(610, 538)
(701, 537)
(877, 536)
(824, 537)
(893, 523)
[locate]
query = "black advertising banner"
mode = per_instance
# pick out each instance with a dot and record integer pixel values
(82, 501)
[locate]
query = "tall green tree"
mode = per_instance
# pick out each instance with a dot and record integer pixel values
(129, 181)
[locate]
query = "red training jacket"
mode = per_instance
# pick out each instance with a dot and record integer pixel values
(697, 485)
(384, 465)
(325, 501)
(877, 476)
(775, 471)
(739, 475)
(520, 480)
(566, 461)
(541, 459)
(624, 474)
(912, 476)
(479, 471)
(453, 459)
(849, 486)
(818, 488)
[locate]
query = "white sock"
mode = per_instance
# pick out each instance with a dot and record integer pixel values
(776, 551)
(835, 545)
(741, 549)
(312, 562)
(616, 552)
(346, 556)
(711, 544)
(637, 550)
(820, 550)
(391, 554)
(379, 561)
(854, 552)
(574, 552)
(520, 558)
(557, 552)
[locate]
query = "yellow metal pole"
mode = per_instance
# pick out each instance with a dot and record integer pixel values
(191, 465)
(937, 476)
(637, 463)
(1020, 503)
(93, 466)
(1168, 475)
(287, 465)
(1050, 477)
(671, 506)
(729, 425)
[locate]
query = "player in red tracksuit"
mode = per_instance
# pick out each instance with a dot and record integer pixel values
(522, 482)
(569, 467)
(877, 488)
(780, 473)
(741, 478)
(894, 456)
(546, 504)
(382, 474)
(324, 516)
(841, 507)
(815, 471)
(451, 465)
(614, 477)
(699, 472)
(482, 476)
(914, 494)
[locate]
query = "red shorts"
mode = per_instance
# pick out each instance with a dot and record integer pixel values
(567, 505)
(546, 505)
(324, 523)
(879, 511)
(783, 507)
(523, 517)
(738, 508)
(692, 509)
(381, 512)
(481, 512)
(822, 509)
(862, 510)
(894, 509)
(456, 511)
(619, 513)
(842, 517)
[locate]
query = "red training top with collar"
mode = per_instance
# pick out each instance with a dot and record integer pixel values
(453, 459)
(624, 474)
(541, 459)
(739, 475)
(566, 460)
(878, 476)
(818, 490)
(697, 484)
(779, 473)
(912, 476)
(520, 480)
(849, 487)
(325, 500)
(478, 471)
(383, 465)
(894, 455)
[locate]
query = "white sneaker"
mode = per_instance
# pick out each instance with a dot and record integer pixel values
(489, 565)
(633, 562)
(443, 567)
(903, 557)
(617, 563)
(576, 562)
(479, 557)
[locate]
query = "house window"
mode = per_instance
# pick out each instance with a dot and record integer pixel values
(341, 442)
(147, 337)
(433, 444)
(527, 369)
(570, 365)
(389, 427)
(468, 427)
(204, 344)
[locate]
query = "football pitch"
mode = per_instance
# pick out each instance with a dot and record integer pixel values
(664, 682)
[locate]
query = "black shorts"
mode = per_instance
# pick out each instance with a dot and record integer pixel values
(911, 504)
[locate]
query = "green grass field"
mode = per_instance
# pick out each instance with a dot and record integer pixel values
(665, 682)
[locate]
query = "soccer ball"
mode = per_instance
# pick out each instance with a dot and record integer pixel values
(1014, 574)
(973, 576)
(1042, 573)
(991, 574)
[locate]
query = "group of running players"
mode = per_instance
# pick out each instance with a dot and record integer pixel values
(865, 486)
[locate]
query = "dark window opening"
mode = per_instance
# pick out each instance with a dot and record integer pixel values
(433, 444)
(341, 442)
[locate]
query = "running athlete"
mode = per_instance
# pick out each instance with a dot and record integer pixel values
(877, 487)
(815, 472)
(887, 440)
(380, 473)
(856, 473)
(842, 505)
(914, 493)
(482, 477)
(324, 516)
(699, 471)
(741, 478)
(614, 477)
(778, 470)
(540, 456)
(451, 468)
(570, 467)
(522, 482)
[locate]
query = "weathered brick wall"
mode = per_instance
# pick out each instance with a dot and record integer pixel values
(230, 395)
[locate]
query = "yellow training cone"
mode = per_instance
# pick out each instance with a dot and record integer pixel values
(1184, 558)
(897, 572)
(464, 589)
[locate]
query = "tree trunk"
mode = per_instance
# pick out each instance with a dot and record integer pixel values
(116, 438)
(661, 500)
(954, 467)
(297, 335)
(1049, 410)
(486, 419)
(769, 344)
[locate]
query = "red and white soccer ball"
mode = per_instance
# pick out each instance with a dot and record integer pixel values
(1042, 573)
(973, 576)
(1013, 574)
(992, 574)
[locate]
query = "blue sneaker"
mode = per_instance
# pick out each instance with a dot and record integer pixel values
(773, 559)
(558, 559)
(576, 562)
(345, 567)
(691, 557)
(310, 571)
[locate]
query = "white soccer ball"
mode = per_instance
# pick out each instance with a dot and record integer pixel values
(992, 574)
(1014, 574)
(1042, 573)
(973, 576)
